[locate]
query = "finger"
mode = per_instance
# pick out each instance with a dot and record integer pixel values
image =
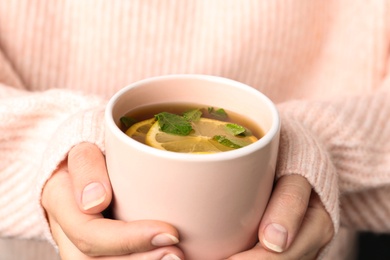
(87, 168)
(69, 251)
(94, 235)
(258, 252)
(284, 213)
(316, 232)
(166, 253)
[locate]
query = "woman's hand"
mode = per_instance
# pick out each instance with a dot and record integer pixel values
(295, 224)
(79, 228)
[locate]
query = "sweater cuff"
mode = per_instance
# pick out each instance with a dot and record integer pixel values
(86, 126)
(300, 152)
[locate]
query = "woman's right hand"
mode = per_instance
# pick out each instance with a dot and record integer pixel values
(74, 199)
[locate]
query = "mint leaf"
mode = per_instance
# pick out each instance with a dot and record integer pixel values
(225, 141)
(238, 130)
(246, 133)
(235, 129)
(127, 121)
(173, 124)
(218, 114)
(193, 115)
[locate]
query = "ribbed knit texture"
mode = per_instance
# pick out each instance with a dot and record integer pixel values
(28, 125)
(325, 63)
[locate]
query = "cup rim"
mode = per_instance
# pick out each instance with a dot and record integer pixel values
(228, 155)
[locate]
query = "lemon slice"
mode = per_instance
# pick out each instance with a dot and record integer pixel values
(138, 130)
(199, 141)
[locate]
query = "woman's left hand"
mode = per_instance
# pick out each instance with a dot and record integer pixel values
(77, 223)
(295, 224)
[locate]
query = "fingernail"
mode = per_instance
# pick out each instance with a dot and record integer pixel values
(275, 237)
(93, 194)
(171, 257)
(164, 239)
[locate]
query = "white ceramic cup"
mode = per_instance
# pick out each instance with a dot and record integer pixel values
(215, 201)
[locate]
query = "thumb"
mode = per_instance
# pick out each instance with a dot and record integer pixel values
(284, 213)
(88, 173)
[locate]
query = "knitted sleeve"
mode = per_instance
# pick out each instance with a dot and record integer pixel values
(342, 147)
(37, 130)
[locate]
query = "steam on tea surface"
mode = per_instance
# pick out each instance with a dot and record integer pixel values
(189, 128)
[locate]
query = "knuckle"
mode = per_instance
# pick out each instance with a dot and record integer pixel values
(80, 154)
(130, 246)
(84, 246)
(130, 249)
(292, 195)
(294, 202)
(81, 151)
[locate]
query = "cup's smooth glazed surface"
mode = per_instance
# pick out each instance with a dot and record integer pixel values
(214, 200)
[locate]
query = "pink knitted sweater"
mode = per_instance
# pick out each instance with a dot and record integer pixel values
(325, 63)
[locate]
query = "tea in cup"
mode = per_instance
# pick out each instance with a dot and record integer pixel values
(214, 192)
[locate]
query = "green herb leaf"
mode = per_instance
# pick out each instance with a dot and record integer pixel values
(225, 141)
(193, 115)
(173, 124)
(218, 114)
(235, 129)
(127, 121)
(246, 133)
